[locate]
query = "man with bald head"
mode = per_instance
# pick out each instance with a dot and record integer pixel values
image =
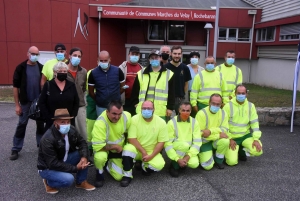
(165, 54)
(107, 80)
(147, 135)
(26, 88)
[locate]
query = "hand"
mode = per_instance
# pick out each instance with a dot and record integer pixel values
(182, 163)
(195, 108)
(257, 145)
(186, 158)
(147, 158)
(118, 148)
(84, 162)
(18, 110)
(135, 105)
(223, 135)
(232, 144)
(144, 154)
(169, 113)
(206, 133)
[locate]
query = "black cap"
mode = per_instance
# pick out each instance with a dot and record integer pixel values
(59, 45)
(134, 49)
(154, 52)
(194, 53)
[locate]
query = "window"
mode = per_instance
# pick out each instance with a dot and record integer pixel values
(176, 30)
(265, 34)
(156, 30)
(234, 34)
(290, 32)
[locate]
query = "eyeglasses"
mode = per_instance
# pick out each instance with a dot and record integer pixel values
(34, 54)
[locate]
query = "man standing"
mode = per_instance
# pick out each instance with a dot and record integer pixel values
(108, 139)
(165, 54)
(26, 88)
(181, 74)
(155, 83)
(205, 84)
(213, 123)
(130, 69)
(62, 152)
(242, 117)
(231, 74)
(60, 53)
(77, 74)
(184, 140)
(108, 80)
(146, 136)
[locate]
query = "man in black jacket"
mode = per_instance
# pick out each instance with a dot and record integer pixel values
(63, 151)
(25, 91)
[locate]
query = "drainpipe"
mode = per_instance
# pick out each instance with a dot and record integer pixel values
(99, 11)
(251, 45)
(216, 29)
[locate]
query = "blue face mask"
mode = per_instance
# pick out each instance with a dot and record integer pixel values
(134, 59)
(210, 67)
(103, 65)
(64, 129)
(60, 56)
(194, 61)
(230, 61)
(214, 109)
(75, 61)
(147, 114)
(34, 58)
(240, 98)
(155, 63)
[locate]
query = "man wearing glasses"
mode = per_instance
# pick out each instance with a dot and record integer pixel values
(25, 91)
(60, 53)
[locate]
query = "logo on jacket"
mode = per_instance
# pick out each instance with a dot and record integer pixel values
(83, 29)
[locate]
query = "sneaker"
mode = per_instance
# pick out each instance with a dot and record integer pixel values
(219, 165)
(125, 181)
(99, 180)
(49, 189)
(173, 172)
(86, 186)
(14, 155)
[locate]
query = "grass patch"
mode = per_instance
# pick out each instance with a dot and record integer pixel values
(6, 94)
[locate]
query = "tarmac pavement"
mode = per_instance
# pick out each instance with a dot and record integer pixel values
(273, 176)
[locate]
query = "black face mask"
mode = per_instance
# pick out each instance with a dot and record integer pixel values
(165, 56)
(61, 76)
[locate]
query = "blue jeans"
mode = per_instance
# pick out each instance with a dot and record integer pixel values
(57, 179)
(19, 136)
(99, 110)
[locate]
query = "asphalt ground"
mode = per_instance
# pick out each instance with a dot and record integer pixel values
(273, 176)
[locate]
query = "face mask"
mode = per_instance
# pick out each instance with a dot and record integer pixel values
(230, 61)
(34, 58)
(60, 56)
(165, 56)
(103, 65)
(64, 129)
(194, 61)
(147, 114)
(240, 98)
(134, 59)
(210, 67)
(75, 61)
(61, 76)
(154, 63)
(184, 116)
(214, 109)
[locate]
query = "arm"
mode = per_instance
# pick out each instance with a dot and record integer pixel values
(43, 80)
(43, 103)
(195, 90)
(188, 77)
(159, 146)
(186, 87)
(171, 94)
(197, 141)
(16, 86)
(84, 81)
(224, 90)
(135, 91)
(91, 86)
(170, 151)
(122, 81)
(17, 103)
(137, 145)
(76, 102)
(99, 137)
(254, 123)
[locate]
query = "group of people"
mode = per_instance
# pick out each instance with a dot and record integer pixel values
(123, 116)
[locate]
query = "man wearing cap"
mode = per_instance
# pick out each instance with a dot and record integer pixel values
(62, 152)
(130, 69)
(60, 53)
(155, 83)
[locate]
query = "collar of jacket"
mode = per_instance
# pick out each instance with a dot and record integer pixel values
(148, 69)
(234, 101)
(56, 134)
(24, 63)
(68, 83)
(180, 120)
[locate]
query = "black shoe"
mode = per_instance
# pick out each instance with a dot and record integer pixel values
(14, 155)
(99, 180)
(243, 158)
(173, 172)
(219, 165)
(146, 173)
(138, 165)
(125, 181)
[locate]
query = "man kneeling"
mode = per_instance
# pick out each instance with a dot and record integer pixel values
(146, 136)
(58, 156)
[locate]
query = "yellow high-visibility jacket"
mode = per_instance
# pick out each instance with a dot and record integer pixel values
(242, 118)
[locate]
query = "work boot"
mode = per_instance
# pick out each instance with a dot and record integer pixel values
(173, 172)
(243, 158)
(138, 165)
(49, 189)
(99, 179)
(219, 165)
(14, 155)
(86, 186)
(125, 181)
